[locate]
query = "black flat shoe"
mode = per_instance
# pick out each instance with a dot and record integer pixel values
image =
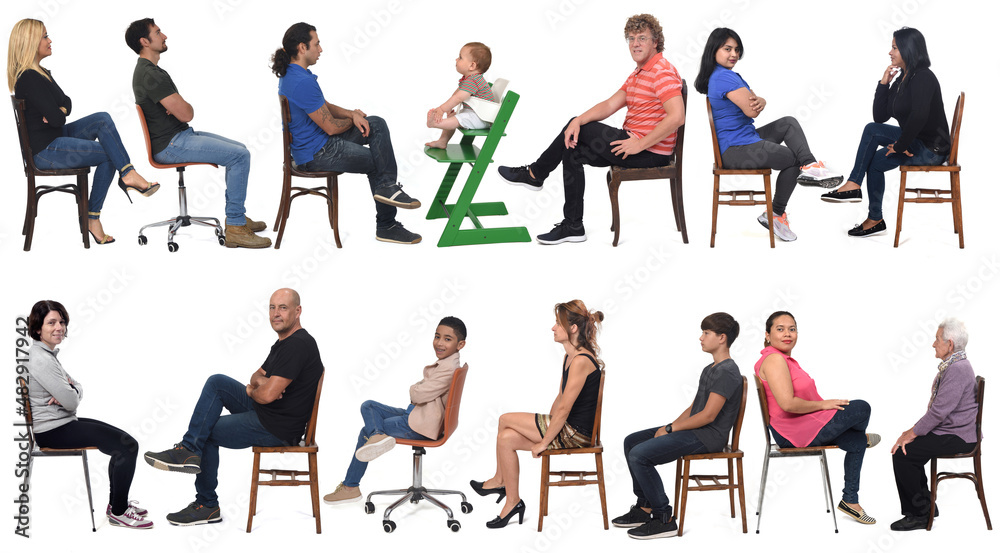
(147, 192)
(842, 197)
(501, 522)
(908, 523)
(478, 488)
(862, 232)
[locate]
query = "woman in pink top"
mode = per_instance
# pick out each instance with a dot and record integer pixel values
(801, 418)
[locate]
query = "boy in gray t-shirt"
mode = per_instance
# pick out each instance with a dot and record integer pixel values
(702, 428)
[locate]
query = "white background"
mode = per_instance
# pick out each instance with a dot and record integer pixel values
(148, 327)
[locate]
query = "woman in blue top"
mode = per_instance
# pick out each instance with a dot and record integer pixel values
(734, 105)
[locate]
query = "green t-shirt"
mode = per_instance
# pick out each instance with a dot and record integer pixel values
(150, 84)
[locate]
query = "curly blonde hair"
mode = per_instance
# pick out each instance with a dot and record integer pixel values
(643, 21)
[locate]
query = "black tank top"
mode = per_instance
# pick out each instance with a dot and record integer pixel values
(581, 416)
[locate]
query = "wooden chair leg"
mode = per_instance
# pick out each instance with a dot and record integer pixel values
(676, 184)
(543, 492)
(899, 208)
(956, 198)
(732, 492)
(677, 481)
(600, 489)
(743, 502)
(770, 209)
(82, 199)
(284, 208)
(255, 477)
(314, 490)
(715, 210)
(682, 505)
(934, 483)
(614, 182)
(29, 221)
(333, 192)
(978, 463)
(285, 193)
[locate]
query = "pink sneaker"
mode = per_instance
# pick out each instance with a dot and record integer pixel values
(135, 505)
(816, 174)
(130, 519)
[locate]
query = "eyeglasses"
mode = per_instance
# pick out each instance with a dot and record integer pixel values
(643, 39)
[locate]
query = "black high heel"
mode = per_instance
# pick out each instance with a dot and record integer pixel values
(501, 522)
(478, 488)
(147, 192)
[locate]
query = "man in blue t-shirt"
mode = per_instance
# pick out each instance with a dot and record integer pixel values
(326, 137)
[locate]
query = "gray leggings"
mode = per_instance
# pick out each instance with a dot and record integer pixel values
(770, 153)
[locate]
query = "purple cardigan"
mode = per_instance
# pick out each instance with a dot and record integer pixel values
(954, 409)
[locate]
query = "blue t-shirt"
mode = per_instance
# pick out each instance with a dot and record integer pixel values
(304, 97)
(732, 126)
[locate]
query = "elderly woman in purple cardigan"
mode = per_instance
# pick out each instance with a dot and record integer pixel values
(948, 427)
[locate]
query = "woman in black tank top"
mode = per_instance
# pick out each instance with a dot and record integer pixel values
(570, 421)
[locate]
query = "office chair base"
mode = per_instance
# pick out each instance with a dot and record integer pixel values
(415, 494)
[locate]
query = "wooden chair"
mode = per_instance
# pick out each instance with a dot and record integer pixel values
(182, 219)
(417, 492)
(952, 196)
(35, 451)
(78, 189)
(595, 448)
(775, 452)
(730, 453)
(736, 195)
(976, 455)
(308, 447)
(616, 175)
(289, 192)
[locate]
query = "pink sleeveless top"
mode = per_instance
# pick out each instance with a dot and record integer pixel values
(799, 429)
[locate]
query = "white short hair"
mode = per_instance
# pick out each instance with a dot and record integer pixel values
(954, 330)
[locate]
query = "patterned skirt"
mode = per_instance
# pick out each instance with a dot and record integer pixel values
(568, 437)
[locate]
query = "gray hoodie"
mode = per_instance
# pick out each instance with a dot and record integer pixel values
(48, 380)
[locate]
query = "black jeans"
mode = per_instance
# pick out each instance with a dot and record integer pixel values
(770, 153)
(109, 440)
(911, 480)
(593, 148)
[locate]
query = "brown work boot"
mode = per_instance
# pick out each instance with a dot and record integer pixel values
(256, 226)
(243, 237)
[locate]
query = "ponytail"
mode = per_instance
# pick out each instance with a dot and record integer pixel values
(295, 35)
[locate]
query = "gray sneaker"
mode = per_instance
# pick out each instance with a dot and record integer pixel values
(396, 234)
(195, 514)
(376, 445)
(178, 459)
(393, 195)
(781, 229)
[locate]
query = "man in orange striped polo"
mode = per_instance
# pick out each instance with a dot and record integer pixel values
(652, 94)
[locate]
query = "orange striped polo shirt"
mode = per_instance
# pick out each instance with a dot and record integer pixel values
(646, 90)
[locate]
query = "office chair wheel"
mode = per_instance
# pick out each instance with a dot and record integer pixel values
(388, 526)
(369, 508)
(221, 237)
(142, 240)
(454, 525)
(466, 507)
(172, 247)
(222, 241)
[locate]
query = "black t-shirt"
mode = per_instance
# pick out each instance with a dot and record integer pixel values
(725, 380)
(150, 84)
(295, 358)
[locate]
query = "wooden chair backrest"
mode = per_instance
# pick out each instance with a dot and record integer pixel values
(739, 418)
(22, 384)
(765, 416)
(679, 149)
(286, 130)
(454, 402)
(980, 394)
(956, 127)
(22, 135)
(715, 137)
(310, 440)
(595, 436)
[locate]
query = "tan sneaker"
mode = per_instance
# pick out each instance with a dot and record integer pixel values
(243, 237)
(375, 447)
(256, 226)
(342, 494)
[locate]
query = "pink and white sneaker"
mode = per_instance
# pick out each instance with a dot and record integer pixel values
(135, 505)
(816, 174)
(130, 519)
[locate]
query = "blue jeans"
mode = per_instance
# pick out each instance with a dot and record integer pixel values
(91, 141)
(191, 146)
(643, 453)
(873, 161)
(209, 430)
(846, 430)
(346, 153)
(379, 419)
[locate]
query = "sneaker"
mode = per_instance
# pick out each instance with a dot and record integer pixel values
(396, 234)
(342, 494)
(859, 516)
(909, 523)
(195, 514)
(564, 232)
(847, 196)
(873, 440)
(129, 519)
(861, 232)
(133, 504)
(816, 174)
(781, 229)
(521, 176)
(244, 237)
(654, 528)
(393, 195)
(374, 448)
(633, 518)
(256, 226)
(178, 459)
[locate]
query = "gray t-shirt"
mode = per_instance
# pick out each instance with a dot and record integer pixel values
(725, 380)
(150, 84)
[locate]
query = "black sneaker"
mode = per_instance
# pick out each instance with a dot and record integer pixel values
(519, 175)
(195, 514)
(909, 523)
(851, 196)
(393, 195)
(178, 459)
(654, 528)
(564, 232)
(862, 232)
(396, 234)
(633, 518)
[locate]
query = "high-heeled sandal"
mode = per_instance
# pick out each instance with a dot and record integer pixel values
(479, 489)
(501, 522)
(145, 192)
(108, 239)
